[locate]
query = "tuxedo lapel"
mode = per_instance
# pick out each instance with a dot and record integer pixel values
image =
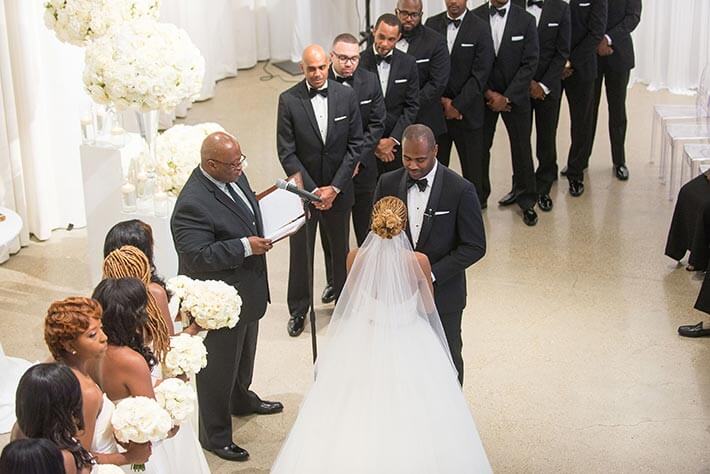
(402, 194)
(512, 17)
(332, 100)
(308, 108)
(431, 206)
(546, 7)
(394, 66)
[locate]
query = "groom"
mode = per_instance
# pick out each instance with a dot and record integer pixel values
(444, 223)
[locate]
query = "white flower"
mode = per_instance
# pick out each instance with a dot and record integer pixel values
(140, 419)
(177, 398)
(178, 153)
(179, 285)
(78, 21)
(213, 304)
(187, 355)
(144, 65)
(106, 469)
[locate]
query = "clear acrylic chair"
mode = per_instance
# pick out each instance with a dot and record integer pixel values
(695, 156)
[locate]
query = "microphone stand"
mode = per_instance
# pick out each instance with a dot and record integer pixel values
(310, 250)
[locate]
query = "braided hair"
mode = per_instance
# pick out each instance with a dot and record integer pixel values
(389, 216)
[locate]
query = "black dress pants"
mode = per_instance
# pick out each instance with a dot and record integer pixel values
(580, 96)
(451, 323)
(546, 114)
(616, 84)
(469, 145)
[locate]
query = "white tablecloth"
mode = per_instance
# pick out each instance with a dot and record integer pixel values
(9, 232)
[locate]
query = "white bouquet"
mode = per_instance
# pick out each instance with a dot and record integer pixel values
(140, 420)
(145, 65)
(214, 304)
(78, 21)
(178, 153)
(177, 398)
(106, 469)
(187, 355)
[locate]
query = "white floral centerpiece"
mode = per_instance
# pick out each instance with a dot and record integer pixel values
(144, 65)
(140, 420)
(214, 304)
(177, 398)
(78, 21)
(187, 355)
(178, 153)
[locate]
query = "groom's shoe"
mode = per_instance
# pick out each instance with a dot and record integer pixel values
(296, 325)
(231, 453)
(328, 295)
(264, 407)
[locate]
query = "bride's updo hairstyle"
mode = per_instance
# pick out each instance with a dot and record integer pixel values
(389, 216)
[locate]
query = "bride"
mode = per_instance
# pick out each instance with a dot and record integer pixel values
(386, 396)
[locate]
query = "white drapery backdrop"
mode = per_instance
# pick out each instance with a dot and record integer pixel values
(41, 97)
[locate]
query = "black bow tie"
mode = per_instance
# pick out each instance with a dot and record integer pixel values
(345, 80)
(537, 3)
(314, 92)
(456, 23)
(494, 10)
(421, 183)
(387, 59)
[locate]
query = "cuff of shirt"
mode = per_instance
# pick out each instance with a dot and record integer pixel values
(608, 39)
(433, 278)
(247, 247)
(545, 88)
(395, 140)
(336, 189)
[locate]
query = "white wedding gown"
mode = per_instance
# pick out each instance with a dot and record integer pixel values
(386, 398)
(11, 370)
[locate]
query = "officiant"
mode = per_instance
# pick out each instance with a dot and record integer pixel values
(218, 235)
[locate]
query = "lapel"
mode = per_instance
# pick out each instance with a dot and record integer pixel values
(394, 66)
(431, 206)
(512, 17)
(461, 35)
(402, 194)
(332, 100)
(308, 109)
(544, 16)
(237, 208)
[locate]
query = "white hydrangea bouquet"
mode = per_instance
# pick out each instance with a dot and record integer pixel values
(187, 355)
(177, 398)
(140, 420)
(79, 21)
(178, 153)
(214, 304)
(144, 65)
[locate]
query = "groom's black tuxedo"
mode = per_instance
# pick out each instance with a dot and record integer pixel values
(452, 237)
(207, 227)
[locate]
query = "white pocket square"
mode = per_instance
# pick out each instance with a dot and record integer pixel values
(400, 81)
(584, 4)
(517, 38)
(552, 25)
(422, 60)
(363, 102)
(467, 45)
(441, 213)
(338, 119)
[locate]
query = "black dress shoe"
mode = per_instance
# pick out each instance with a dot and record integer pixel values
(231, 453)
(694, 331)
(296, 325)
(530, 217)
(544, 202)
(263, 408)
(621, 172)
(576, 187)
(509, 198)
(328, 295)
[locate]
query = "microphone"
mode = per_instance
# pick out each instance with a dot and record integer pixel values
(292, 188)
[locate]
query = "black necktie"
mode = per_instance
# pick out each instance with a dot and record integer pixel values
(537, 3)
(314, 92)
(456, 23)
(236, 198)
(494, 10)
(345, 80)
(421, 183)
(387, 59)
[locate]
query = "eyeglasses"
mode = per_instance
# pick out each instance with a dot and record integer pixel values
(406, 14)
(347, 59)
(242, 159)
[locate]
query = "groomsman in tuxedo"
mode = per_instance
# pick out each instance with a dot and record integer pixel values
(399, 82)
(433, 66)
(444, 223)
(319, 134)
(553, 29)
(345, 57)
(588, 19)
(615, 62)
(218, 235)
(508, 94)
(470, 46)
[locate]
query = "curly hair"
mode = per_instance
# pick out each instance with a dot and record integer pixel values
(129, 262)
(389, 216)
(66, 320)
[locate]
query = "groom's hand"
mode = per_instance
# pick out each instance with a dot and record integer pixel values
(259, 245)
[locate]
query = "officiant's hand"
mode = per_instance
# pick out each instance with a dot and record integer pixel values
(259, 245)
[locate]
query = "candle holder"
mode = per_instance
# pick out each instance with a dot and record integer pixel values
(128, 198)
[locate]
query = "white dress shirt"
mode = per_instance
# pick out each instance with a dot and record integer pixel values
(223, 187)
(383, 71)
(320, 109)
(498, 27)
(452, 31)
(416, 204)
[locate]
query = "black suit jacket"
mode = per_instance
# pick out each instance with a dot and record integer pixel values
(554, 36)
(516, 62)
(452, 233)
(433, 66)
(472, 60)
(207, 227)
(300, 145)
(372, 112)
(623, 18)
(402, 97)
(588, 26)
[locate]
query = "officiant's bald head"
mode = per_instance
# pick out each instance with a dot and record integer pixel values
(221, 157)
